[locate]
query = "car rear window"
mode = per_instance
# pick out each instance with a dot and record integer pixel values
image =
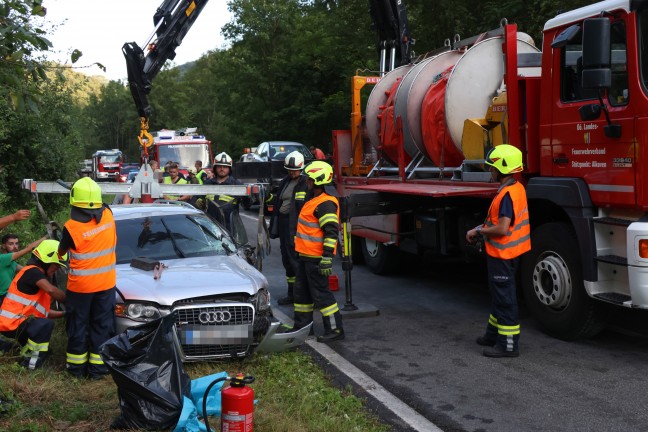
(170, 237)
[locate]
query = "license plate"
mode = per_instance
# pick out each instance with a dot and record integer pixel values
(240, 334)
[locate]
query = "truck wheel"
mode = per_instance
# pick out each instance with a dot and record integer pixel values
(552, 284)
(380, 259)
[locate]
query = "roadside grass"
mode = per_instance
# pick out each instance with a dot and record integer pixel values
(293, 394)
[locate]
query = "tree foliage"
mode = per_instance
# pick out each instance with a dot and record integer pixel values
(285, 74)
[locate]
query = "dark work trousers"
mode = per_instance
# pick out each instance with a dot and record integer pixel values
(312, 288)
(504, 309)
(33, 335)
(287, 247)
(90, 323)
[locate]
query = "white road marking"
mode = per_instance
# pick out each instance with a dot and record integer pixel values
(403, 411)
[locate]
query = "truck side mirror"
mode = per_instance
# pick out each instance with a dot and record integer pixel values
(597, 72)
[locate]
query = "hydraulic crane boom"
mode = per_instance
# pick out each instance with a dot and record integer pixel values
(172, 20)
(390, 22)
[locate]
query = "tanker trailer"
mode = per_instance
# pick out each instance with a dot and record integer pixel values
(434, 98)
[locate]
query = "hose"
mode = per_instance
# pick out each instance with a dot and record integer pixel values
(204, 404)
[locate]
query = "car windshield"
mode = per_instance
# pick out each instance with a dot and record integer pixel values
(279, 152)
(110, 158)
(170, 237)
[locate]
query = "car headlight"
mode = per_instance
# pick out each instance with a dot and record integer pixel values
(137, 311)
(262, 300)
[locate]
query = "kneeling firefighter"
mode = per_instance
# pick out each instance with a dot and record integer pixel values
(315, 244)
(25, 315)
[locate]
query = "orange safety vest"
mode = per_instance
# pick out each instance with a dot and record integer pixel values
(310, 236)
(18, 306)
(518, 239)
(92, 262)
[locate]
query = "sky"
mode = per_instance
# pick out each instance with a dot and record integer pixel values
(99, 29)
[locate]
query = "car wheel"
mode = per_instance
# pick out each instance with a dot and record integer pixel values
(552, 284)
(380, 259)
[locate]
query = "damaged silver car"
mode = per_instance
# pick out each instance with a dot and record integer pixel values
(175, 259)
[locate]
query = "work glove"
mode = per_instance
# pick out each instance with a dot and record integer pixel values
(326, 266)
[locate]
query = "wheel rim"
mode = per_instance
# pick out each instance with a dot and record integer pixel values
(372, 247)
(552, 281)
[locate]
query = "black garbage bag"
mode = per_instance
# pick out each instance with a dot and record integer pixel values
(151, 382)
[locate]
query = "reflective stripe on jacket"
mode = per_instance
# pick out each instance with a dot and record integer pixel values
(92, 261)
(167, 180)
(518, 239)
(18, 306)
(309, 239)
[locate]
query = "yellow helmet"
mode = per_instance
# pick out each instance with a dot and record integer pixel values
(47, 251)
(320, 172)
(85, 193)
(506, 158)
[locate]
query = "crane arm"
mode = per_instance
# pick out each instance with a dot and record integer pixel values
(172, 21)
(390, 22)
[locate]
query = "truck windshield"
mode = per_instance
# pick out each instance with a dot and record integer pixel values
(110, 158)
(185, 155)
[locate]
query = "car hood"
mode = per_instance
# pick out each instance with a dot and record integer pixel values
(189, 278)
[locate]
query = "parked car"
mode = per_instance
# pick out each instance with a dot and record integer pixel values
(277, 151)
(221, 301)
(126, 170)
(269, 157)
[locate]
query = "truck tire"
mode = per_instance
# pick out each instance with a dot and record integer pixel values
(381, 259)
(552, 284)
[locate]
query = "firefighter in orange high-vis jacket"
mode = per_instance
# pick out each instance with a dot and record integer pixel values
(90, 237)
(315, 245)
(507, 235)
(25, 314)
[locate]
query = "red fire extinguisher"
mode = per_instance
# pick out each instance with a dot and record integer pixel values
(237, 404)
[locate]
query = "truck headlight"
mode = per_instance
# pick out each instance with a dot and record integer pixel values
(137, 311)
(262, 300)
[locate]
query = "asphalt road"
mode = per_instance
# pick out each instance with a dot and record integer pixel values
(421, 347)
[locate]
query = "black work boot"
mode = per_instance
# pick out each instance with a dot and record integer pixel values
(333, 335)
(333, 329)
(486, 341)
(499, 351)
(288, 299)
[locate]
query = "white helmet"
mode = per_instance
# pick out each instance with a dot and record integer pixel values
(223, 159)
(294, 161)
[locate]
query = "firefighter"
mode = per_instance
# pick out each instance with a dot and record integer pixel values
(174, 178)
(201, 174)
(221, 207)
(90, 237)
(26, 315)
(315, 244)
(506, 233)
(287, 203)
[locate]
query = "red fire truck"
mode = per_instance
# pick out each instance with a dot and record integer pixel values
(577, 111)
(106, 164)
(183, 146)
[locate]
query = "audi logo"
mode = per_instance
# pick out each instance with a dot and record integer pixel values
(214, 317)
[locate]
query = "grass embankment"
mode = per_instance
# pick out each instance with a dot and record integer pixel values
(293, 395)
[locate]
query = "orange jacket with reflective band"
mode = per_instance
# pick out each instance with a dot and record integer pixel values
(92, 262)
(310, 236)
(518, 239)
(18, 306)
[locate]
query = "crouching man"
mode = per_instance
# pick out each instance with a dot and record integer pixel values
(25, 314)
